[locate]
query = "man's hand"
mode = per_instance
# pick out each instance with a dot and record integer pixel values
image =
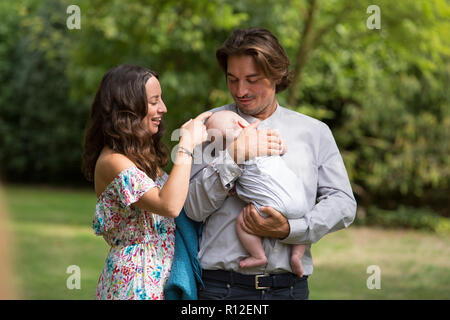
(253, 143)
(273, 226)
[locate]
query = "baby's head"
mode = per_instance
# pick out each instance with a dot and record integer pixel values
(225, 123)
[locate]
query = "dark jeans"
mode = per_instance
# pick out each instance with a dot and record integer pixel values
(218, 290)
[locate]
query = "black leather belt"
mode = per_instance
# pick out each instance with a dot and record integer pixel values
(259, 281)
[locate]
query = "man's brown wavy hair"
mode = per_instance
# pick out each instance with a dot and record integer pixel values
(118, 110)
(264, 47)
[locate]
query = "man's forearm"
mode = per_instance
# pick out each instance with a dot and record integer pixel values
(331, 214)
(282, 232)
(205, 195)
(336, 205)
(209, 188)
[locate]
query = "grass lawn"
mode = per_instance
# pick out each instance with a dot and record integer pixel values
(51, 231)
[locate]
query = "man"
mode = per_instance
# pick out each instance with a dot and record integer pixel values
(256, 68)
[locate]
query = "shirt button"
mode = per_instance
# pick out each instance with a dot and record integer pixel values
(233, 174)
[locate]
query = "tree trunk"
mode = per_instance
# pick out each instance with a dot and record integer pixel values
(309, 40)
(302, 54)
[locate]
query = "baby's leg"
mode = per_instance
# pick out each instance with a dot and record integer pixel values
(252, 244)
(298, 250)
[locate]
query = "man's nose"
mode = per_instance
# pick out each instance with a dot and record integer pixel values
(242, 89)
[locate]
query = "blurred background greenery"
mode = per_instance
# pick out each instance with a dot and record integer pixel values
(384, 93)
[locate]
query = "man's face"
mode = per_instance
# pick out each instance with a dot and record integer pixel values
(252, 91)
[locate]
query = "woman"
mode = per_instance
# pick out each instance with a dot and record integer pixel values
(136, 201)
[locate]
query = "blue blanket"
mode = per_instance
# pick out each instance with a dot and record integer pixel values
(186, 269)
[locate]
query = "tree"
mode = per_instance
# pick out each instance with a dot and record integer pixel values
(384, 93)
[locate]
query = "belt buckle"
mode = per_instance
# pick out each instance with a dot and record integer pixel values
(257, 287)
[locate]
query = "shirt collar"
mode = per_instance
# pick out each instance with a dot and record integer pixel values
(251, 119)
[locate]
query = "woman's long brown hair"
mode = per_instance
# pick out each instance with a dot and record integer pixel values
(119, 108)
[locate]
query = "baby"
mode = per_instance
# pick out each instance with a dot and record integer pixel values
(265, 181)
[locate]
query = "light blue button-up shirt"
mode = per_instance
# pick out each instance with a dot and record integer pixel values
(313, 155)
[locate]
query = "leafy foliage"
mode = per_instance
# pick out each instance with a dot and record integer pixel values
(39, 126)
(408, 218)
(383, 92)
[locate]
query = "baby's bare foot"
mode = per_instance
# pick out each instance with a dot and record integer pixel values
(296, 266)
(252, 262)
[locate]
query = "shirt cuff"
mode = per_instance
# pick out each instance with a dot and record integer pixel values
(228, 170)
(298, 232)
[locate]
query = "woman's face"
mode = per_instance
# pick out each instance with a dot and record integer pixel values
(156, 106)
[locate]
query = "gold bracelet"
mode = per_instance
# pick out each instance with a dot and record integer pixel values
(184, 150)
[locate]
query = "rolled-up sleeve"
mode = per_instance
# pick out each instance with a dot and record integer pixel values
(336, 206)
(209, 187)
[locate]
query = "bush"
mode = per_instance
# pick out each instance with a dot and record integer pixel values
(41, 128)
(406, 217)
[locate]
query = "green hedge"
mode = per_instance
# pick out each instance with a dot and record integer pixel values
(405, 217)
(41, 126)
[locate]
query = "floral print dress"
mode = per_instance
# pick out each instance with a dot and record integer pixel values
(142, 243)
